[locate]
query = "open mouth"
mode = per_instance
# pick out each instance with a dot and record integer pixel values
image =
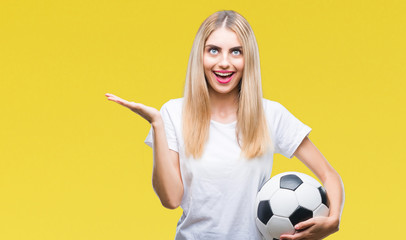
(223, 76)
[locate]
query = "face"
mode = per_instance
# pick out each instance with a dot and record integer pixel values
(223, 61)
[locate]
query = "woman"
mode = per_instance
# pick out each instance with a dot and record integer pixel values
(213, 149)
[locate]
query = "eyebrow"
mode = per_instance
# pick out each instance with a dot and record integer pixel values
(214, 46)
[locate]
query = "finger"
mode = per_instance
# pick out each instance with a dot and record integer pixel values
(114, 98)
(109, 95)
(136, 107)
(286, 237)
(131, 105)
(304, 224)
(296, 236)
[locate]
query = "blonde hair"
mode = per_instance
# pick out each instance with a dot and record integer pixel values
(251, 129)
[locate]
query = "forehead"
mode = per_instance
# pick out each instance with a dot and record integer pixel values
(223, 37)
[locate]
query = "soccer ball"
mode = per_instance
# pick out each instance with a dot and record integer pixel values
(287, 199)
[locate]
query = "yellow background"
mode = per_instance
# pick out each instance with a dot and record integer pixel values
(74, 165)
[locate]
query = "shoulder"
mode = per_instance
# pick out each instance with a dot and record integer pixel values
(173, 107)
(272, 107)
(173, 103)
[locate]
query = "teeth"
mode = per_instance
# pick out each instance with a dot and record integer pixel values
(223, 74)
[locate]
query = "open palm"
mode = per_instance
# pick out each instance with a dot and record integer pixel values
(149, 113)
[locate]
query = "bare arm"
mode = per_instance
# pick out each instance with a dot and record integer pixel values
(166, 177)
(308, 153)
(320, 227)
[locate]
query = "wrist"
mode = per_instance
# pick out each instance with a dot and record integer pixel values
(157, 122)
(334, 222)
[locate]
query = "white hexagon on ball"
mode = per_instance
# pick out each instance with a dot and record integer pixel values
(268, 189)
(281, 226)
(284, 203)
(308, 196)
(263, 229)
(321, 211)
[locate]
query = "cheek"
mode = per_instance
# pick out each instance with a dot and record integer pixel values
(239, 64)
(242, 62)
(207, 60)
(208, 63)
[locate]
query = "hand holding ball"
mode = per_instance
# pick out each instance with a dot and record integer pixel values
(287, 199)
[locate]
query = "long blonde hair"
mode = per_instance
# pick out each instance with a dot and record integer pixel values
(251, 129)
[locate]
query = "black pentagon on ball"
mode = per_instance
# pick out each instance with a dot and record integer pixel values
(264, 212)
(323, 194)
(290, 182)
(299, 215)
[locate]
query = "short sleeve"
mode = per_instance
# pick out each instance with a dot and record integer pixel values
(169, 130)
(289, 132)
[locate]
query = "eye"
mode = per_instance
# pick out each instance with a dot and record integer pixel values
(213, 51)
(236, 52)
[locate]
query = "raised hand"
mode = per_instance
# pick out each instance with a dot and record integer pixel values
(148, 113)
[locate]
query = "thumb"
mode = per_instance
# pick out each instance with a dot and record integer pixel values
(304, 224)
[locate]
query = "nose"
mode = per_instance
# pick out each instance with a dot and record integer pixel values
(224, 61)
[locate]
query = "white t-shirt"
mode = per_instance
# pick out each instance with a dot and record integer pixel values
(220, 188)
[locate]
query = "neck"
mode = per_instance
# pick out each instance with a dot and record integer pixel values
(223, 105)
